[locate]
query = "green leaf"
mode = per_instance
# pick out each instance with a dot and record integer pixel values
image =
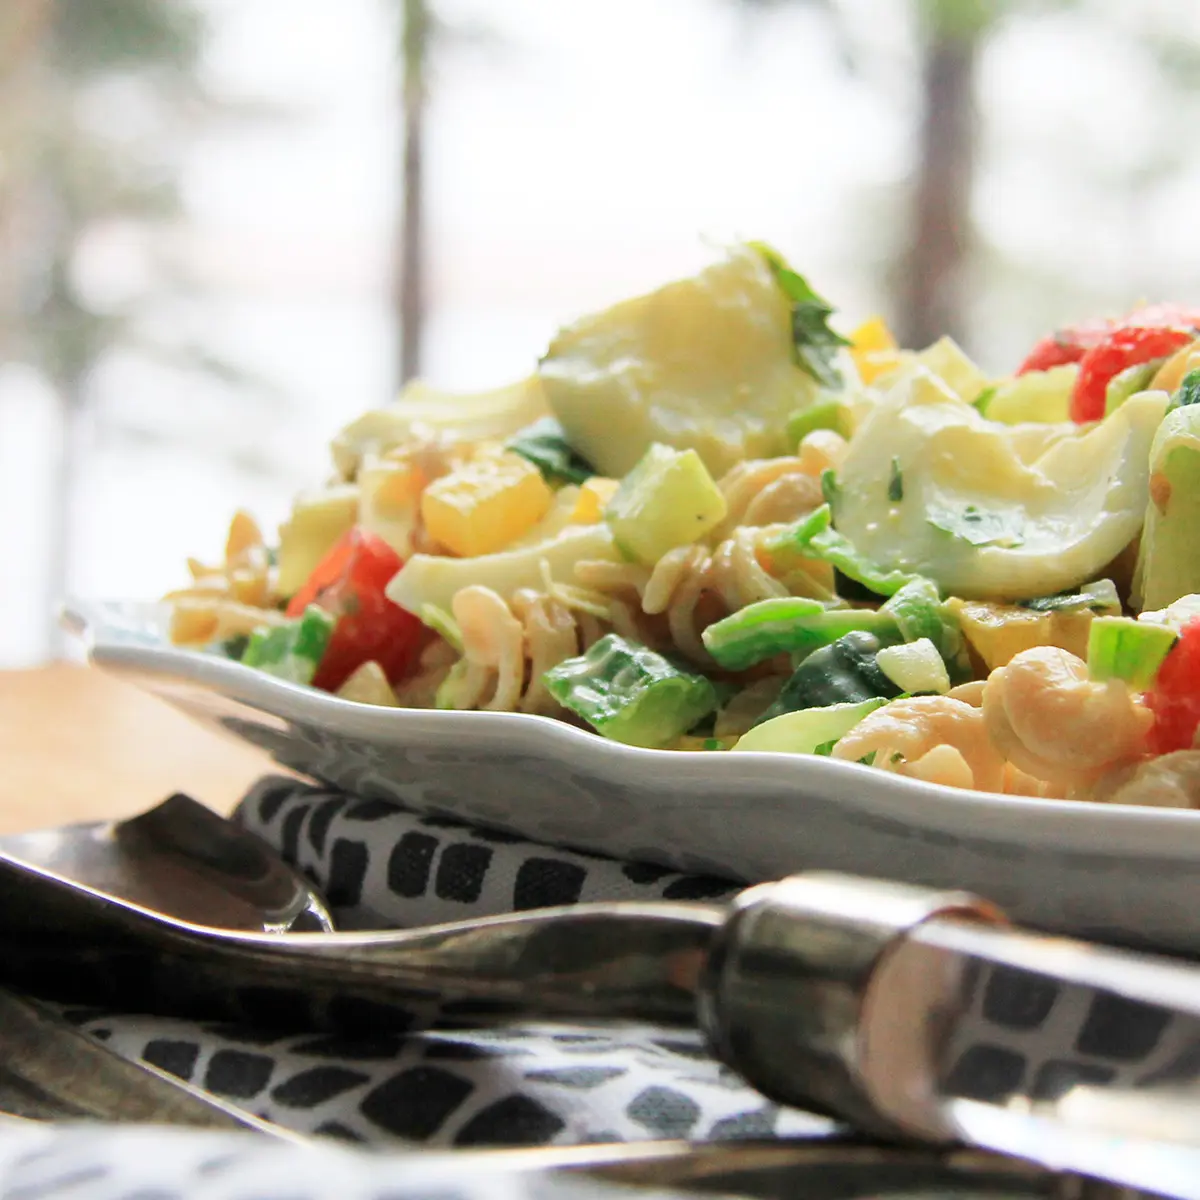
(544, 443)
(896, 482)
(977, 526)
(981, 401)
(816, 345)
(1188, 391)
(1100, 596)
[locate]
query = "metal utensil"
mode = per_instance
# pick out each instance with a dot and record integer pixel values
(184, 860)
(51, 1071)
(834, 994)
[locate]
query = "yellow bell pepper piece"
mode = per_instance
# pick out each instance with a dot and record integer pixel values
(484, 505)
(594, 495)
(874, 350)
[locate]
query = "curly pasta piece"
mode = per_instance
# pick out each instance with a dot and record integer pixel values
(943, 765)
(765, 491)
(507, 648)
(1170, 781)
(691, 586)
(200, 620)
(235, 598)
(493, 650)
(822, 450)
(1052, 721)
(914, 728)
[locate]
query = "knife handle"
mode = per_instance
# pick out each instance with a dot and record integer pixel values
(790, 997)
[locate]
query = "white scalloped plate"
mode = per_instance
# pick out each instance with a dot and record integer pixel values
(1117, 872)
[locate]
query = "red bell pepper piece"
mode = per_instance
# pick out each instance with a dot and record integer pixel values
(349, 584)
(1175, 697)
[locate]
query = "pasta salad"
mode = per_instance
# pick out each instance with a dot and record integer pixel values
(707, 521)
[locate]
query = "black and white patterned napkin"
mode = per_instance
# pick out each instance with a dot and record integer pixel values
(43, 1162)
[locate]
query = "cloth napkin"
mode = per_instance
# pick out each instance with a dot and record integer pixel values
(542, 1084)
(45, 1162)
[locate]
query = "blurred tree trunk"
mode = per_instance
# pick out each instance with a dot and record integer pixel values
(930, 284)
(410, 267)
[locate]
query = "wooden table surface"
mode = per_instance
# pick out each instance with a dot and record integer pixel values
(76, 745)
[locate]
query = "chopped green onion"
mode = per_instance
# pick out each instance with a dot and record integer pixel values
(1121, 648)
(294, 650)
(787, 625)
(825, 414)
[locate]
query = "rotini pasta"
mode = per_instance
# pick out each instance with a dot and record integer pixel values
(507, 647)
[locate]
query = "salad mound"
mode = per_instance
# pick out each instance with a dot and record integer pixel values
(710, 522)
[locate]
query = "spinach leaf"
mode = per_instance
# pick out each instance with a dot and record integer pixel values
(544, 443)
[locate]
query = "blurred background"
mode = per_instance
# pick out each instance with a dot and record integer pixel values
(226, 228)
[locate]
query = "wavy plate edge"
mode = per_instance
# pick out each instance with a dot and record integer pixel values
(1079, 826)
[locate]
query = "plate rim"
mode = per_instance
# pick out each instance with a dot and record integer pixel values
(1078, 825)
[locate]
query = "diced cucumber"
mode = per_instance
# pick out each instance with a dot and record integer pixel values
(1122, 648)
(630, 693)
(788, 625)
(915, 667)
(291, 651)
(669, 499)
(1037, 397)
(803, 732)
